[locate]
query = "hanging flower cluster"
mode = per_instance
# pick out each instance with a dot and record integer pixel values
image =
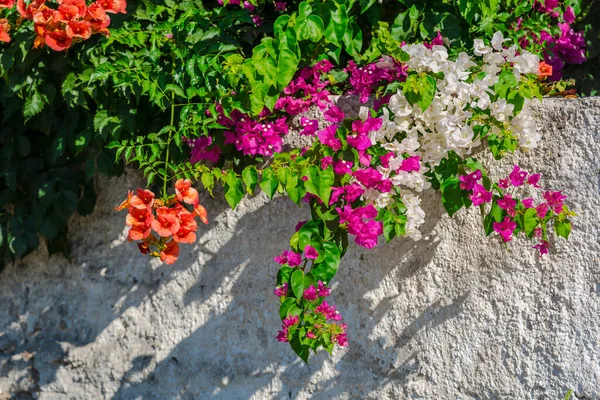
(511, 214)
(161, 224)
(421, 136)
(60, 24)
(318, 327)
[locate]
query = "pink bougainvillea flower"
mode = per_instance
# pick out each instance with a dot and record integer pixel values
(300, 224)
(555, 200)
(341, 339)
(505, 228)
(322, 290)
(170, 253)
(258, 21)
(503, 183)
(353, 192)
(288, 257)
(385, 159)
(280, 6)
(517, 176)
(360, 141)
(467, 182)
(334, 114)
(336, 192)
(310, 252)
(410, 164)
(326, 162)
(369, 177)
(343, 167)
(569, 15)
(310, 126)
(480, 195)
(533, 180)
(366, 126)
(542, 247)
(310, 335)
(528, 203)
(508, 203)
(328, 311)
(282, 336)
(291, 321)
(327, 137)
(542, 210)
(310, 293)
(281, 291)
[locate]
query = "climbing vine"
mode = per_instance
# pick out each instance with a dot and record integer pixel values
(197, 93)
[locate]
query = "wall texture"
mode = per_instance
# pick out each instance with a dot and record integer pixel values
(454, 316)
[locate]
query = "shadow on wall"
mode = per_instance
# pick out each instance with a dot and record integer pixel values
(225, 297)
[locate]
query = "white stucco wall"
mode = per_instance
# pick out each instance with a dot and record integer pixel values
(454, 316)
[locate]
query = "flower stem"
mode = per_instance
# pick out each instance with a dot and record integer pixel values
(166, 177)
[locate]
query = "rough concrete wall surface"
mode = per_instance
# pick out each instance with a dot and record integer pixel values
(454, 316)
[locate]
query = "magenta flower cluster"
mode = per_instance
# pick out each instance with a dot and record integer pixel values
(552, 201)
(252, 137)
(323, 312)
(361, 223)
(365, 80)
(568, 47)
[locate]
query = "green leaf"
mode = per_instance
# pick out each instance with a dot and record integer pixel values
(304, 9)
(468, 9)
(269, 183)
(234, 190)
(452, 195)
(337, 24)
(33, 105)
(531, 221)
(250, 177)
(319, 182)
(208, 181)
(287, 65)
(283, 275)
(326, 270)
(175, 89)
(297, 283)
(428, 89)
(303, 351)
(310, 28)
(285, 306)
(563, 228)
